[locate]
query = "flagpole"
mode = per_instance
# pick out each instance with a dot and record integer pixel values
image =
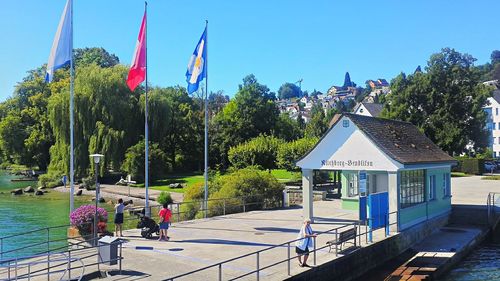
(146, 131)
(71, 118)
(206, 119)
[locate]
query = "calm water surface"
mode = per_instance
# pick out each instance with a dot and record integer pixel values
(27, 212)
(481, 265)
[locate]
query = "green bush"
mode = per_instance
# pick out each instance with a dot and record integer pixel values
(50, 180)
(472, 166)
(88, 183)
(165, 197)
(259, 151)
(256, 186)
(290, 152)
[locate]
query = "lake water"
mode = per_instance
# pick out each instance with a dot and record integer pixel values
(481, 265)
(23, 213)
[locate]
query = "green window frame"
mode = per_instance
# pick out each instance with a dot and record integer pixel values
(412, 188)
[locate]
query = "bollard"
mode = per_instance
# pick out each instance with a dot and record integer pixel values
(224, 204)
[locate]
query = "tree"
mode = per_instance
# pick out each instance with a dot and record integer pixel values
(318, 125)
(287, 128)
(495, 57)
(250, 113)
(446, 102)
(289, 153)
(260, 151)
(99, 56)
(107, 119)
(134, 161)
(289, 90)
(217, 101)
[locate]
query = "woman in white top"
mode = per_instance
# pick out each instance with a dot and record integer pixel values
(119, 217)
(305, 242)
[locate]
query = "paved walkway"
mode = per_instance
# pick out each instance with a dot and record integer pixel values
(205, 242)
(201, 243)
(472, 190)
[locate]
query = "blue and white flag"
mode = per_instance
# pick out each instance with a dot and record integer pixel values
(62, 47)
(197, 68)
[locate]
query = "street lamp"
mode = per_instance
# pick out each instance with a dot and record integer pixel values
(97, 159)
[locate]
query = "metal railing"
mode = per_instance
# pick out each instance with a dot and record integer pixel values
(49, 239)
(493, 207)
(13, 269)
(257, 254)
(34, 265)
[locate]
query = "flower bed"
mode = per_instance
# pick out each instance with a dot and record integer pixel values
(83, 219)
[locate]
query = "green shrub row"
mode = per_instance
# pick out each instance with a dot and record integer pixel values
(472, 166)
(269, 152)
(248, 185)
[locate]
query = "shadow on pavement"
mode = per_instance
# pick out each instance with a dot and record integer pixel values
(224, 242)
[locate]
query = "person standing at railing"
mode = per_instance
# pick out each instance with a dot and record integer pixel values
(165, 214)
(305, 243)
(119, 217)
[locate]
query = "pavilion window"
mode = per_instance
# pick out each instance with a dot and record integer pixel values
(412, 188)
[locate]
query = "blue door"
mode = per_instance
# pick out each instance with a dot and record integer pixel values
(378, 211)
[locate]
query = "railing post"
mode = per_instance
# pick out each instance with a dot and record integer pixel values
(69, 264)
(16, 270)
(370, 233)
(387, 225)
(1, 248)
(288, 259)
(314, 247)
(48, 254)
(244, 205)
(224, 206)
(336, 244)
(366, 231)
(178, 212)
(121, 257)
(258, 266)
(220, 271)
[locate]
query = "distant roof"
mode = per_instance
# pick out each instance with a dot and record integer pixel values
(373, 108)
(496, 95)
(383, 82)
(401, 141)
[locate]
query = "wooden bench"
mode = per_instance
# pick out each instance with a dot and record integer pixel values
(343, 237)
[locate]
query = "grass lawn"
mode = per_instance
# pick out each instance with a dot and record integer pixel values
(185, 180)
(285, 176)
(459, 175)
(495, 178)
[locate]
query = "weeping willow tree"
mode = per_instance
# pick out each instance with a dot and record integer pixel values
(107, 120)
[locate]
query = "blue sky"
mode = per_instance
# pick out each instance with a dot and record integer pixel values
(278, 41)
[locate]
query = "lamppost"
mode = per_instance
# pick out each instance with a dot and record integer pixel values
(97, 159)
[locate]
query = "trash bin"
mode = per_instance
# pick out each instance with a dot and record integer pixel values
(108, 250)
